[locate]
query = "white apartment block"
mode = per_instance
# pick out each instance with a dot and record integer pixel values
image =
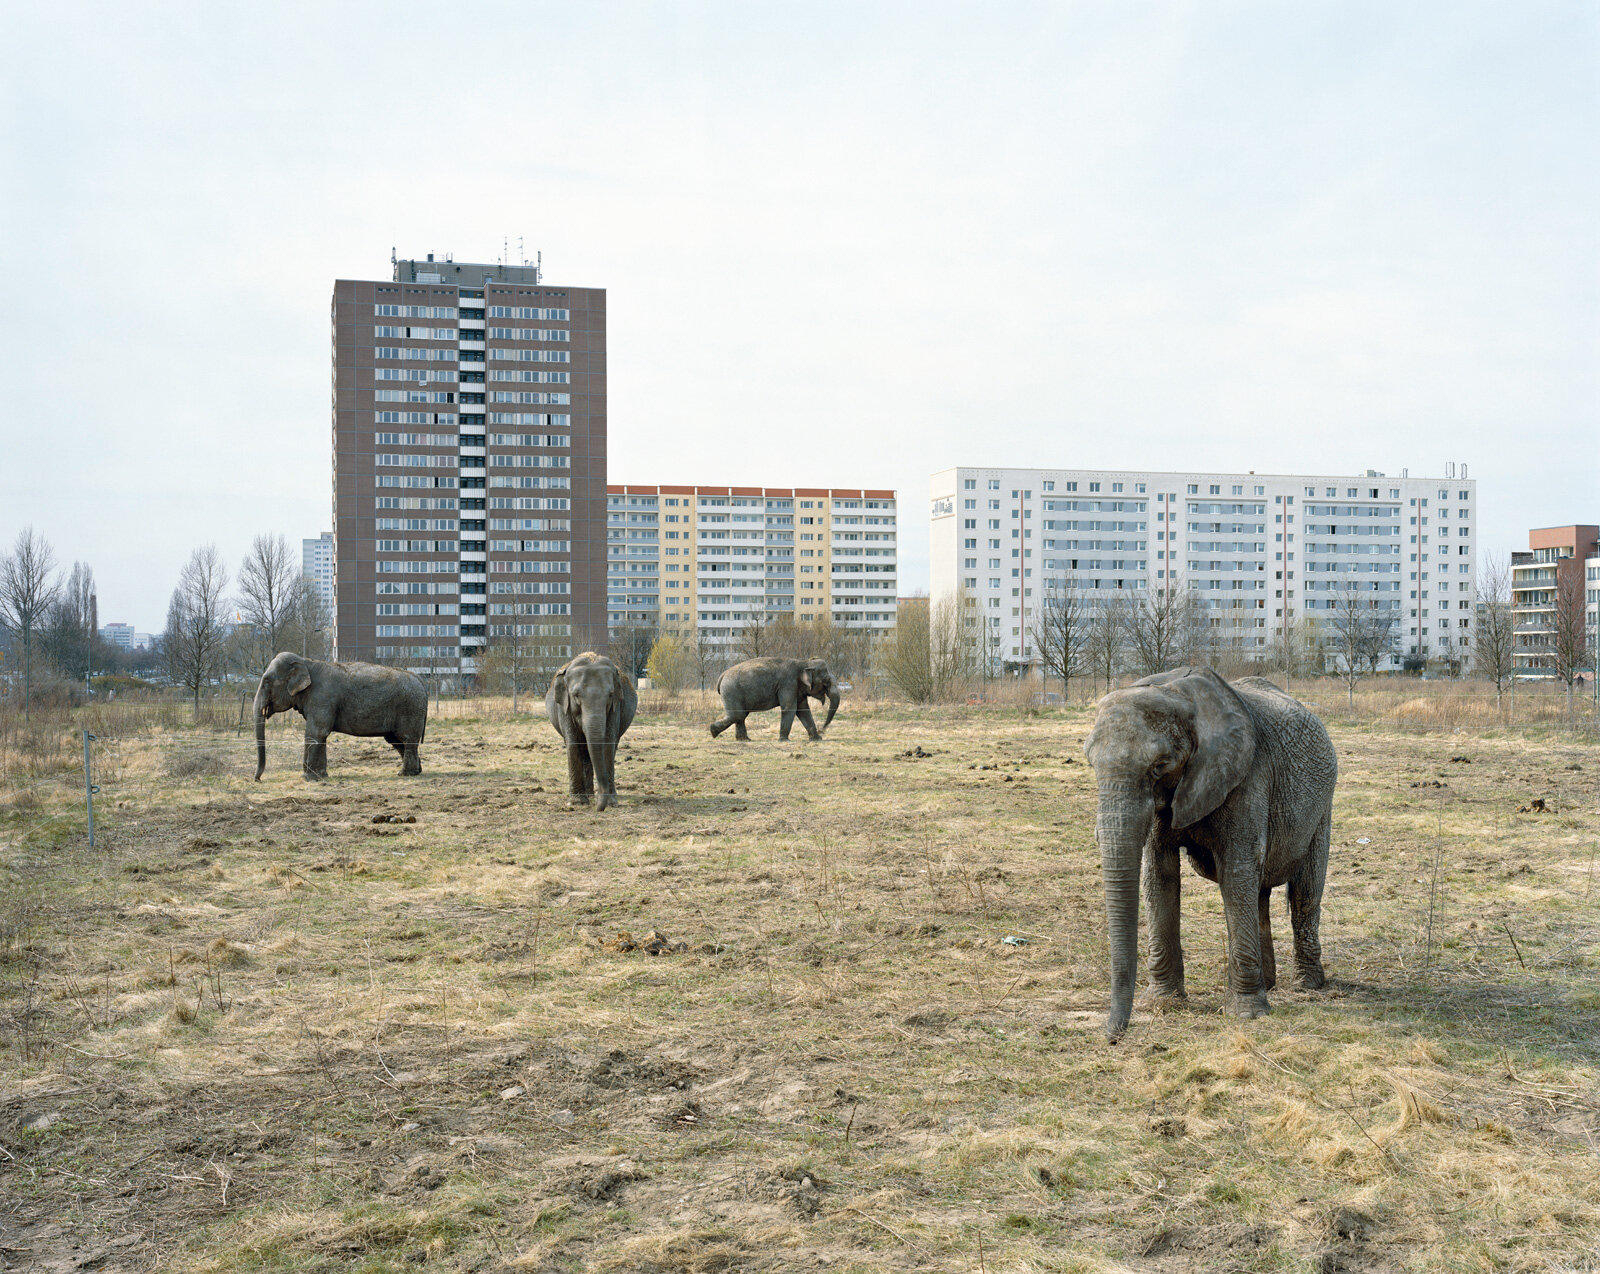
(316, 565)
(716, 559)
(1259, 551)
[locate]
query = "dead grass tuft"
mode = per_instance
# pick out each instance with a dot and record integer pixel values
(1426, 1053)
(195, 761)
(1415, 1106)
(227, 955)
(694, 1251)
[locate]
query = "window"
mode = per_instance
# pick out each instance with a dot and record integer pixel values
(1094, 486)
(994, 484)
(1237, 490)
(969, 484)
(1215, 489)
(1194, 489)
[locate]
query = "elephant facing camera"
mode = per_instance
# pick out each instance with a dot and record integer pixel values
(591, 705)
(1239, 777)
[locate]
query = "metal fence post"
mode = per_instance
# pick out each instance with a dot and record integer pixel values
(89, 787)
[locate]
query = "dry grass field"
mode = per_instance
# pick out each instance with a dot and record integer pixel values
(765, 1015)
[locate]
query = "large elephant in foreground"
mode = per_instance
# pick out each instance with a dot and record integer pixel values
(591, 704)
(1240, 777)
(366, 700)
(759, 684)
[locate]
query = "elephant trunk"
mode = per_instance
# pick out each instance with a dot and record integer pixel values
(263, 711)
(833, 706)
(1121, 827)
(599, 735)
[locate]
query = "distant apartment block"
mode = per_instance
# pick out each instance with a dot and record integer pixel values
(316, 565)
(1557, 575)
(1260, 552)
(119, 635)
(713, 560)
(470, 463)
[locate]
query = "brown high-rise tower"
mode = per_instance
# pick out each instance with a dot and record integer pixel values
(469, 493)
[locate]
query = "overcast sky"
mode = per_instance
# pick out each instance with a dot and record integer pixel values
(843, 244)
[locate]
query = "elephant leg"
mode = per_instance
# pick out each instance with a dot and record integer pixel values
(1241, 907)
(739, 732)
(580, 782)
(717, 727)
(315, 766)
(1162, 886)
(804, 713)
(1269, 957)
(410, 761)
(786, 724)
(1305, 912)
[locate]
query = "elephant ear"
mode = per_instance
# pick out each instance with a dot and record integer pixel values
(555, 700)
(299, 678)
(805, 680)
(627, 698)
(1224, 743)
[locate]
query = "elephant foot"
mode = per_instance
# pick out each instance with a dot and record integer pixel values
(1310, 977)
(410, 762)
(606, 801)
(315, 765)
(1248, 1004)
(577, 799)
(714, 731)
(1166, 996)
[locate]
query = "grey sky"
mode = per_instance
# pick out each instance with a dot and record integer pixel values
(847, 244)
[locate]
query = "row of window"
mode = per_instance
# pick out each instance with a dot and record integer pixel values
(529, 587)
(531, 440)
(420, 374)
(530, 462)
(416, 524)
(527, 312)
(529, 334)
(415, 418)
(416, 502)
(531, 397)
(532, 378)
(531, 524)
(411, 353)
(399, 480)
(416, 440)
(530, 546)
(529, 484)
(530, 502)
(414, 311)
(414, 333)
(530, 356)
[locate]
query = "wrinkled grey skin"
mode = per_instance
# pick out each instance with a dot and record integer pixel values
(1240, 777)
(759, 684)
(366, 700)
(591, 704)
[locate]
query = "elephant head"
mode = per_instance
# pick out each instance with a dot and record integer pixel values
(817, 682)
(282, 687)
(1169, 748)
(591, 703)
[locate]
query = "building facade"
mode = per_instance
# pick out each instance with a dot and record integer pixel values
(1551, 598)
(469, 419)
(316, 565)
(1259, 553)
(713, 560)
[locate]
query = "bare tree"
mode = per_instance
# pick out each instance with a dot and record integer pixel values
(28, 588)
(1164, 627)
(521, 658)
(194, 641)
(1569, 635)
(1106, 644)
(269, 593)
(1495, 642)
(308, 624)
(1362, 632)
(1061, 630)
(927, 655)
(70, 628)
(671, 663)
(630, 648)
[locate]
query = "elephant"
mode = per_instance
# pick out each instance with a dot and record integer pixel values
(591, 704)
(1240, 777)
(365, 700)
(759, 684)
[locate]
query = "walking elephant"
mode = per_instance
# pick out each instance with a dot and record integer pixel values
(1238, 776)
(759, 684)
(366, 700)
(591, 704)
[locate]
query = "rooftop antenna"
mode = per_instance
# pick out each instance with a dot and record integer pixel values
(538, 266)
(522, 254)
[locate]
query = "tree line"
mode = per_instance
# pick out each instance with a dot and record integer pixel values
(51, 617)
